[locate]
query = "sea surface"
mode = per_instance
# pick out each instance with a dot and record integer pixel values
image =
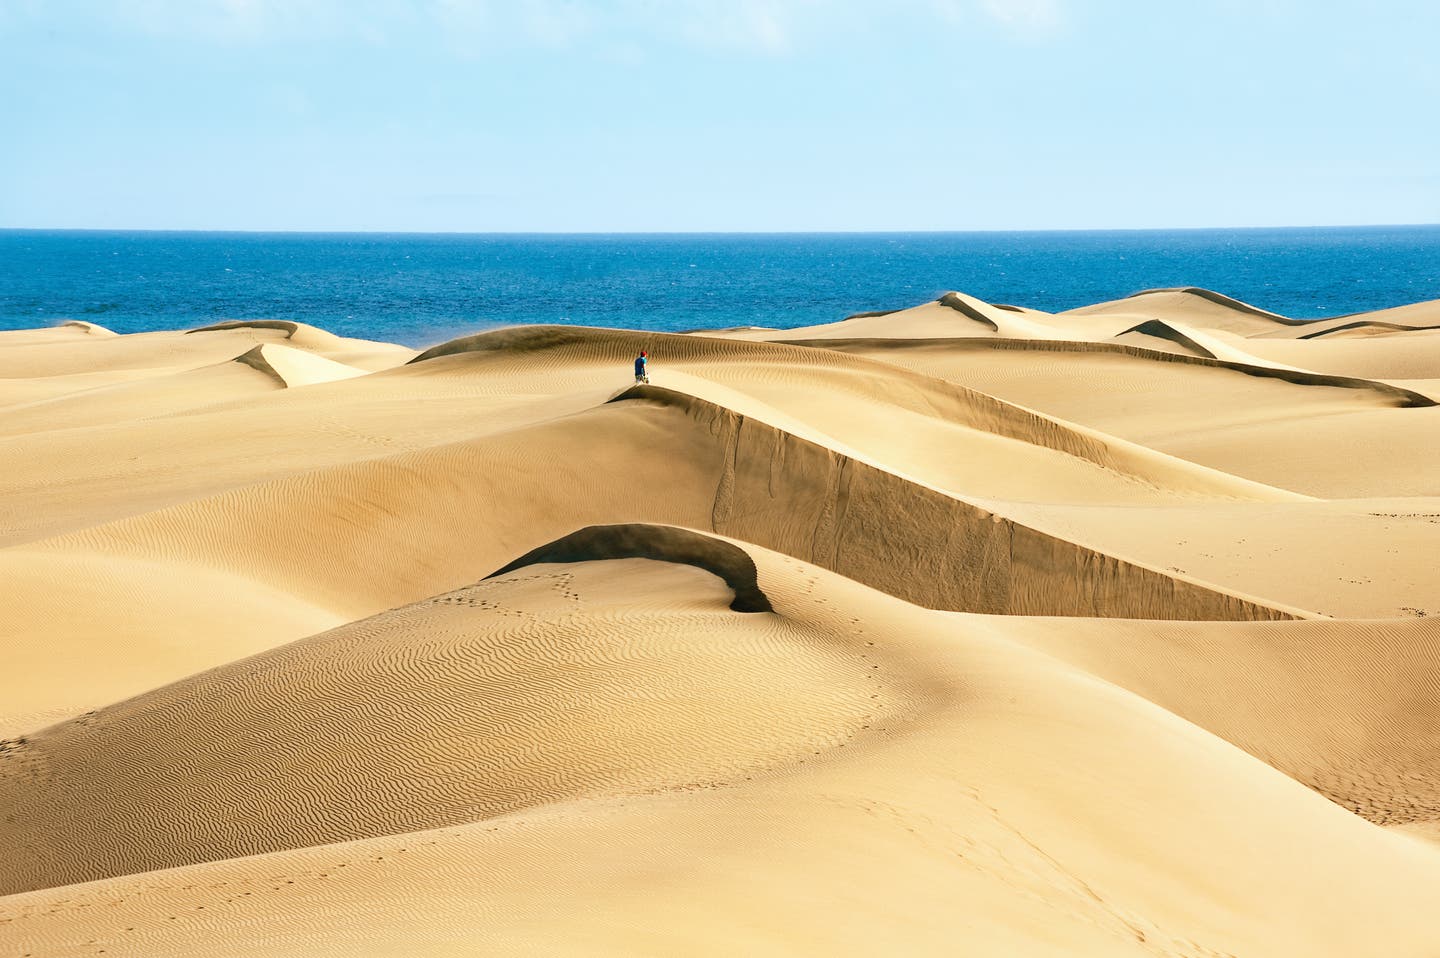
(419, 289)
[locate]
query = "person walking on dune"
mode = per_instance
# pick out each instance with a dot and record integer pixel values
(641, 372)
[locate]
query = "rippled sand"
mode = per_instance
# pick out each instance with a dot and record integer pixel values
(962, 629)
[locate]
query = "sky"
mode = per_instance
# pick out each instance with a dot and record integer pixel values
(717, 115)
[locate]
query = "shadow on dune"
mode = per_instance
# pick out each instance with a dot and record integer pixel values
(1400, 396)
(640, 540)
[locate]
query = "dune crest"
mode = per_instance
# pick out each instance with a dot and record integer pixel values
(450, 710)
(289, 328)
(94, 329)
(291, 367)
(959, 627)
(917, 542)
(662, 543)
(1219, 299)
(1365, 327)
(967, 307)
(1398, 395)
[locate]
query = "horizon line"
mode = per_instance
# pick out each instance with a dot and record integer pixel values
(780, 232)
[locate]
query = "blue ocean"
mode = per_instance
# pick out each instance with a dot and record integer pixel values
(420, 289)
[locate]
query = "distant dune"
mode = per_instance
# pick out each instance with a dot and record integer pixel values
(956, 628)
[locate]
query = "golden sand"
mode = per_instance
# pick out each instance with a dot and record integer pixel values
(962, 629)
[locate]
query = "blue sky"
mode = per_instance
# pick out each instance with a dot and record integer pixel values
(566, 115)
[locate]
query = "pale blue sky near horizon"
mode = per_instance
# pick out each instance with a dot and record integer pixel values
(704, 115)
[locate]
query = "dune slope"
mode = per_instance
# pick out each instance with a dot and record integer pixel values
(958, 628)
(924, 768)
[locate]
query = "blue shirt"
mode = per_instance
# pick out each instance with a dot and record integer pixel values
(639, 365)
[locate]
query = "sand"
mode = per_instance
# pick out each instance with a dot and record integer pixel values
(965, 628)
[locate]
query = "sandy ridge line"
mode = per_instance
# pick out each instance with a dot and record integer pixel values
(963, 405)
(448, 710)
(662, 543)
(94, 329)
(290, 367)
(858, 518)
(957, 302)
(982, 560)
(286, 326)
(1239, 306)
(1220, 299)
(1404, 398)
(1366, 324)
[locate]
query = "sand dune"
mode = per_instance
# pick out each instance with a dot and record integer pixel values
(404, 526)
(1345, 707)
(455, 709)
(1272, 425)
(1415, 316)
(291, 367)
(953, 315)
(93, 329)
(963, 627)
(1004, 791)
(71, 350)
(1202, 307)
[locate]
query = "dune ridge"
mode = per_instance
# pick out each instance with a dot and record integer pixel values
(1400, 395)
(817, 504)
(1220, 299)
(289, 328)
(1367, 325)
(663, 543)
(954, 627)
(291, 367)
(998, 848)
(733, 365)
(415, 719)
(846, 515)
(967, 308)
(94, 329)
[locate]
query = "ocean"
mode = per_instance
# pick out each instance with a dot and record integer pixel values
(420, 289)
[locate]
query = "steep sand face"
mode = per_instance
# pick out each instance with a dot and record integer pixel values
(407, 526)
(1269, 425)
(963, 627)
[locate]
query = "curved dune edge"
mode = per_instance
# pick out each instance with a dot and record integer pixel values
(638, 540)
(1400, 396)
(299, 335)
(451, 710)
(1163, 330)
(1387, 315)
(1366, 324)
(293, 367)
(1006, 322)
(743, 477)
(920, 544)
(1220, 299)
(94, 329)
(962, 306)
(1205, 344)
(526, 339)
(1008, 801)
(956, 403)
(603, 756)
(289, 327)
